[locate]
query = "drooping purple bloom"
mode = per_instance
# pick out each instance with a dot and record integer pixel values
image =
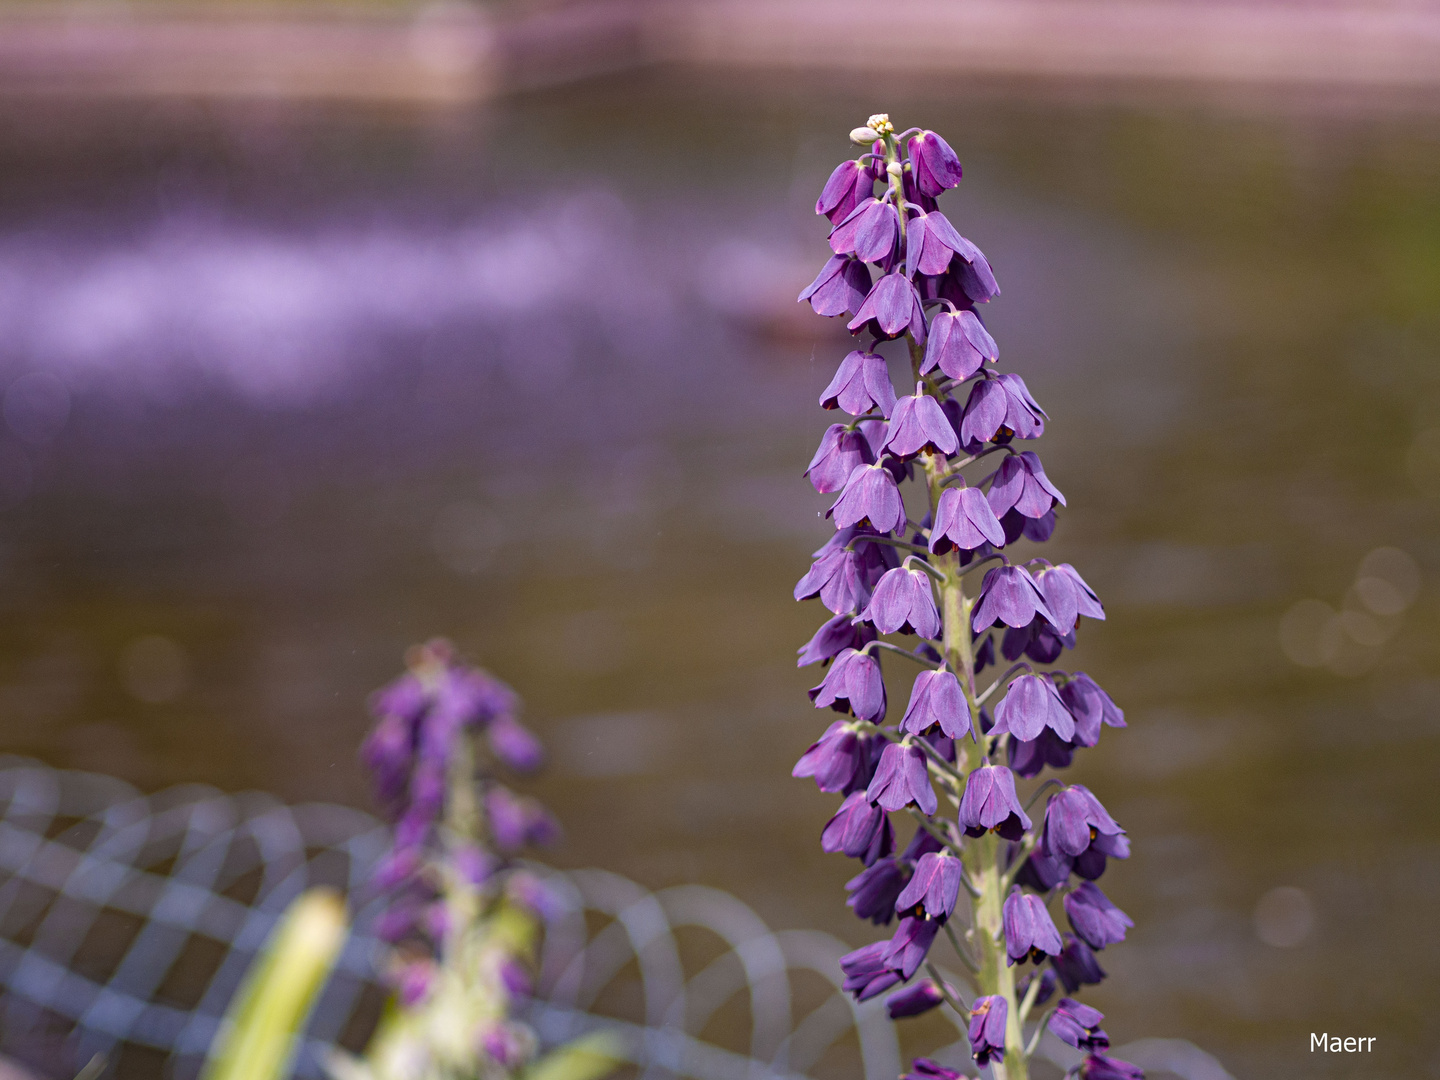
(919, 426)
(842, 579)
(963, 519)
(872, 498)
(1038, 641)
(874, 889)
(859, 830)
(837, 635)
(1046, 991)
(1074, 819)
(1076, 965)
(1017, 525)
(840, 287)
(964, 284)
(927, 1069)
(514, 744)
(1043, 871)
(914, 1000)
(921, 844)
(988, 1016)
(1030, 758)
(1100, 1067)
(910, 944)
(1079, 1025)
(1031, 704)
(1010, 595)
(868, 232)
(1029, 931)
(935, 166)
(836, 758)
(839, 452)
(935, 886)
(990, 802)
(854, 685)
(1095, 919)
(892, 308)
(851, 182)
(936, 698)
(1001, 406)
(902, 778)
(1090, 864)
(1089, 705)
(1067, 594)
(1020, 482)
(931, 242)
(903, 604)
(959, 345)
(861, 383)
(867, 975)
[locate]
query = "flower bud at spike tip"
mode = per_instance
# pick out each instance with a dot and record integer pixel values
(864, 136)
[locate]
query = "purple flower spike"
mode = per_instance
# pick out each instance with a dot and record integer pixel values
(868, 232)
(1089, 705)
(919, 426)
(987, 1028)
(866, 973)
(1076, 965)
(936, 698)
(841, 286)
(859, 830)
(1029, 931)
(892, 307)
(990, 802)
(933, 163)
(909, 946)
(874, 889)
(934, 887)
(861, 383)
(1079, 1025)
(1031, 704)
(1100, 1067)
(903, 604)
(1021, 482)
(959, 345)
(835, 758)
(914, 1000)
(1074, 819)
(964, 520)
(839, 452)
(926, 1069)
(1010, 595)
(514, 744)
(850, 183)
(902, 778)
(854, 685)
(871, 497)
(1096, 920)
(1068, 596)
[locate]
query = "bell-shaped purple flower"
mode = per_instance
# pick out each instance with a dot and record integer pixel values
(1100, 1067)
(1095, 919)
(914, 1000)
(1078, 1025)
(936, 698)
(1090, 864)
(837, 635)
(835, 758)
(1017, 525)
(931, 242)
(839, 452)
(928, 1069)
(1090, 705)
(1001, 406)
(1030, 758)
(514, 744)
(1029, 931)
(1067, 594)
(902, 778)
(934, 887)
(1074, 819)
(854, 685)
(1010, 595)
(959, 344)
(841, 286)
(1076, 965)
(867, 974)
(859, 830)
(988, 1016)
(861, 383)
(964, 520)
(841, 579)
(1031, 704)
(933, 164)
(892, 308)
(919, 426)
(871, 497)
(1021, 482)
(1038, 641)
(874, 889)
(850, 183)
(990, 802)
(903, 604)
(909, 945)
(1043, 871)
(868, 232)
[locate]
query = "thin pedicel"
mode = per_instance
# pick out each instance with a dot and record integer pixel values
(901, 271)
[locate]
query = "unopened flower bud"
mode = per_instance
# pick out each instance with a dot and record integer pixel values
(863, 135)
(881, 124)
(894, 168)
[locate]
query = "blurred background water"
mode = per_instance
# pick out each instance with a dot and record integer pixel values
(289, 387)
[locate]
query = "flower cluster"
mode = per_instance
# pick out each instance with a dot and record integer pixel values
(901, 272)
(462, 917)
